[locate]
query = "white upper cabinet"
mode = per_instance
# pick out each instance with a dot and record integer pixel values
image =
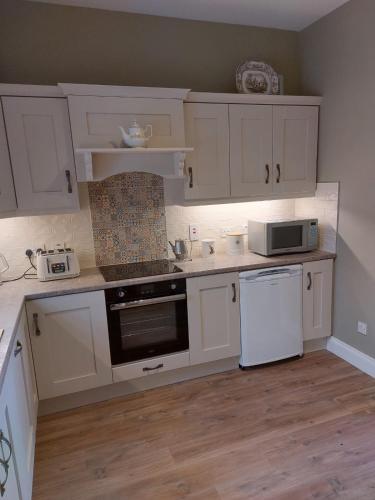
(214, 317)
(41, 153)
(96, 120)
(317, 299)
(273, 147)
(295, 142)
(250, 150)
(207, 168)
(7, 194)
(69, 338)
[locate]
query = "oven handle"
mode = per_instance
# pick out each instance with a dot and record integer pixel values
(147, 302)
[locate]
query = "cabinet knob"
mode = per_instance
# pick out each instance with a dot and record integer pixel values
(4, 440)
(36, 325)
(309, 285)
(234, 298)
(278, 173)
(190, 170)
(267, 174)
(69, 181)
(18, 348)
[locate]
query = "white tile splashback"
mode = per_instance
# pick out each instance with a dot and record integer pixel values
(17, 234)
(212, 218)
(75, 229)
(323, 206)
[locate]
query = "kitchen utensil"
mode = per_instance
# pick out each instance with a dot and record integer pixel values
(136, 137)
(208, 248)
(180, 249)
(235, 243)
(4, 266)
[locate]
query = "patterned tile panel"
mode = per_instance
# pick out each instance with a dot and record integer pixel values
(128, 218)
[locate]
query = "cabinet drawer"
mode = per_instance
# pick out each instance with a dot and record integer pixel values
(140, 368)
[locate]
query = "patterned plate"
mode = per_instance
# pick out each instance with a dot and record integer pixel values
(256, 77)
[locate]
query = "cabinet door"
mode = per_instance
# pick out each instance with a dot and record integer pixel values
(9, 481)
(207, 131)
(23, 408)
(7, 194)
(317, 299)
(214, 317)
(250, 150)
(41, 152)
(69, 338)
(295, 142)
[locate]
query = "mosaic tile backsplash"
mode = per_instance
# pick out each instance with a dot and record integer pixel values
(128, 218)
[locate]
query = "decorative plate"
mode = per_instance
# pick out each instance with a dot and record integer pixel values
(256, 77)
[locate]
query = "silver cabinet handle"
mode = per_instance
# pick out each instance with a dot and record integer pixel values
(234, 298)
(69, 181)
(310, 281)
(18, 348)
(36, 325)
(267, 174)
(190, 170)
(147, 369)
(278, 172)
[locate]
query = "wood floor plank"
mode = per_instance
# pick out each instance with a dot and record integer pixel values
(300, 430)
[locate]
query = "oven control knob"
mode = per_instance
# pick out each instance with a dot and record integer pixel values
(173, 286)
(120, 293)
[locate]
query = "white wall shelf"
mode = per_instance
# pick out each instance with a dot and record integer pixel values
(100, 163)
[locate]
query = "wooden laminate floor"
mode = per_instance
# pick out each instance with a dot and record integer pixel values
(294, 431)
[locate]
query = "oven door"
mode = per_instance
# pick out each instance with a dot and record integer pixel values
(146, 328)
(286, 237)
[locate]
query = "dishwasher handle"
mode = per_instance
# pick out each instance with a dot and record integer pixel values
(272, 274)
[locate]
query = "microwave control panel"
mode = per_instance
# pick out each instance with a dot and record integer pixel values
(313, 235)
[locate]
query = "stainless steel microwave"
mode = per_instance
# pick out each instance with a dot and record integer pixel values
(285, 236)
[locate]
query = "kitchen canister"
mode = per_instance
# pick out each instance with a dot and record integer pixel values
(208, 248)
(235, 243)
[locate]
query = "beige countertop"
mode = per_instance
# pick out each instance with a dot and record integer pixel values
(14, 294)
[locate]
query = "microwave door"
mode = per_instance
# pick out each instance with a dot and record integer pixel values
(287, 238)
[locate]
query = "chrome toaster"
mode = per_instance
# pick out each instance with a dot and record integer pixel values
(57, 264)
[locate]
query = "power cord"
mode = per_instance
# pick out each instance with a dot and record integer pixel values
(26, 274)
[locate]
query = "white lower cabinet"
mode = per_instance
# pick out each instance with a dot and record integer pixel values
(214, 317)
(18, 412)
(317, 299)
(69, 338)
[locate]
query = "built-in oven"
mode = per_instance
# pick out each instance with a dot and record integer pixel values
(147, 320)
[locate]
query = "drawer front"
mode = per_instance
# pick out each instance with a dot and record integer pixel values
(150, 366)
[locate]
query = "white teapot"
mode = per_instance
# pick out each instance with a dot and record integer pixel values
(136, 137)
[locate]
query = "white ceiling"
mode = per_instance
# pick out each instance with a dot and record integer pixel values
(284, 14)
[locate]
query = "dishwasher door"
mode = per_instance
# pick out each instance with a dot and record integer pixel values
(271, 315)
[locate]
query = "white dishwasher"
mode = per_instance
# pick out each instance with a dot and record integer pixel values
(271, 315)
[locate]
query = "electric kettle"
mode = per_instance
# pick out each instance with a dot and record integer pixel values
(4, 266)
(180, 249)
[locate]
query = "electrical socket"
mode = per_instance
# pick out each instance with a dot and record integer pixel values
(224, 230)
(193, 232)
(362, 328)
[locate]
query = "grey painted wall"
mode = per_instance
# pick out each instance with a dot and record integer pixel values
(46, 44)
(338, 54)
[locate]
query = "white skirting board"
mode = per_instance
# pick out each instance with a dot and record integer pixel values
(352, 355)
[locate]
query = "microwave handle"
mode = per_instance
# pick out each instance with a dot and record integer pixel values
(147, 302)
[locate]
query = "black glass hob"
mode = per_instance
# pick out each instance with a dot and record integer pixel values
(138, 270)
